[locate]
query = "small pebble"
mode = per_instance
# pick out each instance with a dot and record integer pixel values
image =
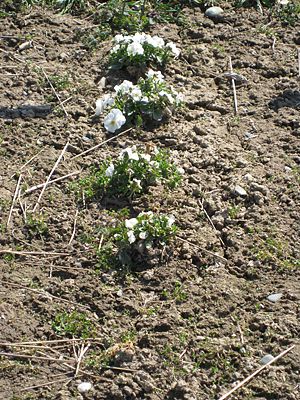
(119, 293)
(85, 139)
(260, 353)
(84, 387)
(242, 350)
(266, 359)
(274, 297)
(250, 135)
(213, 12)
(240, 191)
(248, 177)
(288, 169)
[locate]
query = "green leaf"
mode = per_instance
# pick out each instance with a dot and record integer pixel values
(138, 120)
(116, 65)
(157, 115)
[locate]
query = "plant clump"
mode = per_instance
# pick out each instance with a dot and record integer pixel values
(139, 49)
(148, 98)
(131, 174)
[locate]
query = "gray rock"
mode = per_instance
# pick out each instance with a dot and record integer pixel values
(274, 297)
(85, 139)
(240, 191)
(250, 135)
(102, 83)
(212, 12)
(248, 177)
(260, 353)
(84, 387)
(260, 188)
(266, 359)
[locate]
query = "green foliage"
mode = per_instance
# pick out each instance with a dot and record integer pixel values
(73, 324)
(139, 49)
(130, 174)
(288, 14)
(37, 222)
(60, 82)
(92, 37)
(146, 226)
(148, 98)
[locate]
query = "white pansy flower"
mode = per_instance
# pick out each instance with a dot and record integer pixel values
(163, 93)
(125, 86)
(154, 164)
(173, 47)
(102, 104)
(115, 48)
(180, 171)
(173, 90)
(114, 120)
(110, 170)
(136, 94)
(130, 223)
(155, 150)
(146, 157)
(134, 49)
(137, 183)
(171, 220)
(131, 237)
(149, 213)
(156, 41)
(118, 38)
(179, 98)
(140, 38)
(143, 234)
(156, 75)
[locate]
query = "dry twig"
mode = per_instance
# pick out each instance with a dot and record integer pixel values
(62, 106)
(74, 229)
(48, 179)
(47, 383)
(202, 249)
(29, 161)
(233, 88)
(101, 144)
(33, 188)
(45, 294)
(255, 373)
(14, 199)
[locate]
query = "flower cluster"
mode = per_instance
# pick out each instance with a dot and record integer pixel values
(131, 173)
(146, 226)
(150, 96)
(140, 48)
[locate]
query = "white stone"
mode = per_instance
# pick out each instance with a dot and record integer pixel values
(240, 191)
(84, 387)
(288, 169)
(274, 297)
(266, 359)
(248, 177)
(213, 12)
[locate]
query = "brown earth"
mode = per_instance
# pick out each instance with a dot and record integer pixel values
(181, 323)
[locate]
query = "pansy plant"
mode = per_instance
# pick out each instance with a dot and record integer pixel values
(140, 48)
(131, 173)
(146, 227)
(149, 97)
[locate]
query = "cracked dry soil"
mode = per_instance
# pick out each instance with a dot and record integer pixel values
(180, 323)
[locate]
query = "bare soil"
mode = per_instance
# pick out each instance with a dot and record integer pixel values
(181, 322)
